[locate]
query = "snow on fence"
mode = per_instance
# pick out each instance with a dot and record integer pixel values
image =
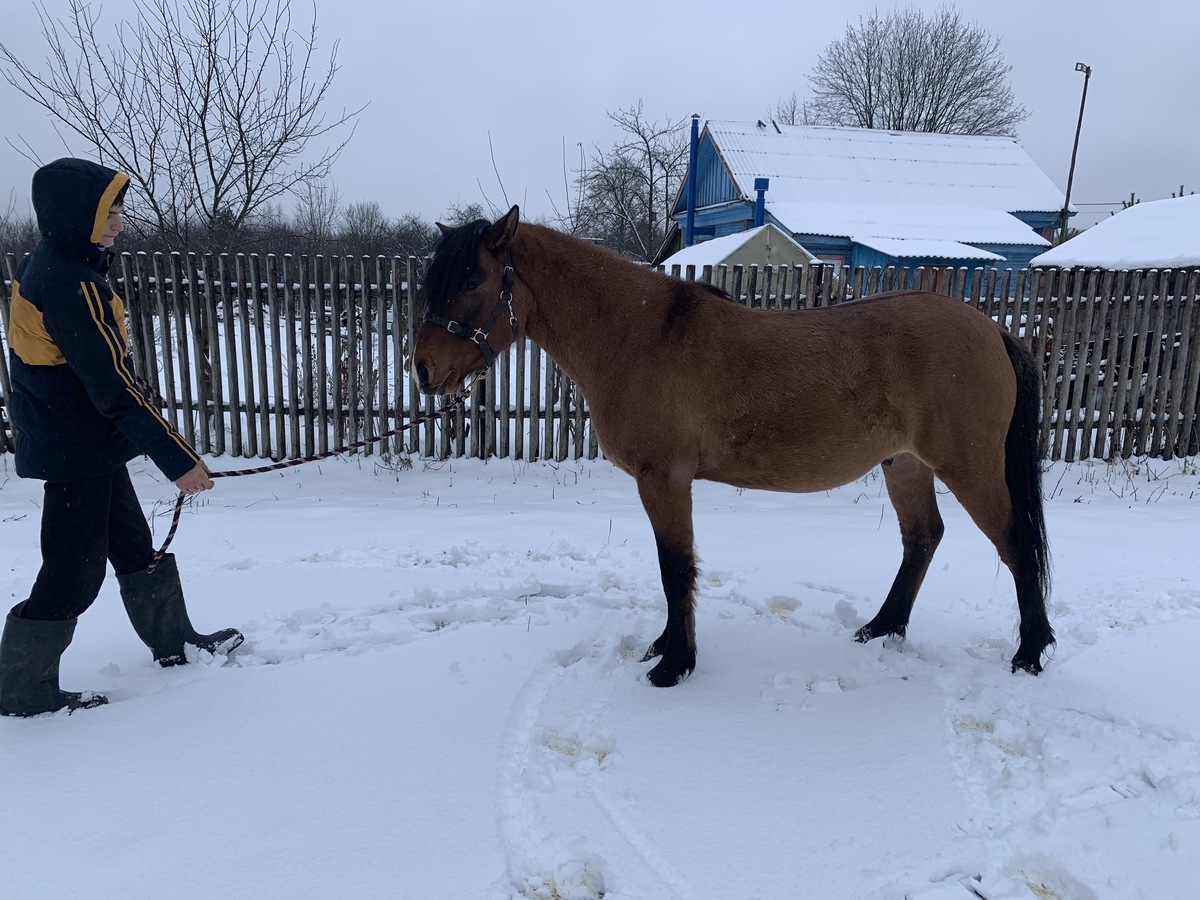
(280, 356)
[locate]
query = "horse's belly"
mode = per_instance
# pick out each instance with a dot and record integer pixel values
(795, 471)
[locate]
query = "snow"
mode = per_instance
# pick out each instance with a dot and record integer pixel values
(440, 695)
(1159, 234)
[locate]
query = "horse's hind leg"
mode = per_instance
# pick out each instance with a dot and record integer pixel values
(668, 502)
(985, 495)
(910, 487)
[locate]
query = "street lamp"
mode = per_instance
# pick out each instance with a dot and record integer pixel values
(1087, 73)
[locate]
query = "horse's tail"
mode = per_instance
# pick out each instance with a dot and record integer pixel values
(1023, 470)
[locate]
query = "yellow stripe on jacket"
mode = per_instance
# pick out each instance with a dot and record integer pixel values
(117, 340)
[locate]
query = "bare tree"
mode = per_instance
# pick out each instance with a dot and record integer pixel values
(790, 111)
(460, 213)
(911, 72)
(568, 217)
(413, 236)
(209, 105)
(366, 231)
(315, 217)
(18, 231)
(627, 192)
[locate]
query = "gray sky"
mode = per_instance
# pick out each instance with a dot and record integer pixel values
(533, 75)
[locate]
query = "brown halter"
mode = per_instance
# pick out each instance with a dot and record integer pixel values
(480, 335)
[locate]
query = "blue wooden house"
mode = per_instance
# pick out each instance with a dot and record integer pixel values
(866, 197)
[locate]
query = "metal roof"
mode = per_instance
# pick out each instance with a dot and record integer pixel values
(863, 166)
(933, 224)
(932, 192)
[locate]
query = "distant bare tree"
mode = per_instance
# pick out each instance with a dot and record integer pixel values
(628, 191)
(316, 216)
(568, 216)
(907, 71)
(18, 231)
(413, 236)
(790, 111)
(366, 231)
(209, 105)
(461, 213)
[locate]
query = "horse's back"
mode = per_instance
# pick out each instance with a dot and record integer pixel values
(898, 338)
(853, 384)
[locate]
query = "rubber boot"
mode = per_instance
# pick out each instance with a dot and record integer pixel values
(154, 602)
(30, 651)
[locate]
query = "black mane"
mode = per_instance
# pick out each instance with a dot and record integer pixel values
(453, 256)
(713, 289)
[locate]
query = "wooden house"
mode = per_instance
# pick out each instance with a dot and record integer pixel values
(866, 197)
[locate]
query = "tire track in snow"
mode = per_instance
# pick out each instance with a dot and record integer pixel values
(570, 828)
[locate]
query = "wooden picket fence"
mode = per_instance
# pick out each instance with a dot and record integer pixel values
(281, 357)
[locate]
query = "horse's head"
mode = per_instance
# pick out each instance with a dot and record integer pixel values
(465, 304)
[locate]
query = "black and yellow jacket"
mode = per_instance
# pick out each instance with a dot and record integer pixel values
(75, 404)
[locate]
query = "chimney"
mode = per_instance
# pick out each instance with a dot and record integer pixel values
(689, 221)
(760, 202)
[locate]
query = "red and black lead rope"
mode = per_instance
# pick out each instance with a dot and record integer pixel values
(454, 403)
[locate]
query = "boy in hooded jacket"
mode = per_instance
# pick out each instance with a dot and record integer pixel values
(79, 416)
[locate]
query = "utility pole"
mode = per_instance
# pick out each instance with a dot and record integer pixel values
(1087, 73)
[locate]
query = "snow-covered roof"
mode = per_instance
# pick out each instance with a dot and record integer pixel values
(913, 248)
(871, 167)
(924, 230)
(934, 192)
(1158, 234)
(713, 251)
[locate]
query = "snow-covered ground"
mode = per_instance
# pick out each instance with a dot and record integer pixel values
(440, 696)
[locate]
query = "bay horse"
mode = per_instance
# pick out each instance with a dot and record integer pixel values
(685, 383)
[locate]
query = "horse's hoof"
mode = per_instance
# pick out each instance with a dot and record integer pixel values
(661, 676)
(1032, 666)
(1029, 653)
(871, 630)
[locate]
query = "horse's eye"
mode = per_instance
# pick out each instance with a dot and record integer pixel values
(469, 286)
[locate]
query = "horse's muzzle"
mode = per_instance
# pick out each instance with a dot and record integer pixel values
(426, 385)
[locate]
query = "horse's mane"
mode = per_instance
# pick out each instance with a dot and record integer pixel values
(453, 255)
(713, 289)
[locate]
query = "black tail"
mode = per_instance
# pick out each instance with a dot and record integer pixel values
(1023, 474)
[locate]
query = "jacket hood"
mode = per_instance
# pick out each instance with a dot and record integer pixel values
(72, 198)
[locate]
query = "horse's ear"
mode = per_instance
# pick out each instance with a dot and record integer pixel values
(444, 229)
(501, 232)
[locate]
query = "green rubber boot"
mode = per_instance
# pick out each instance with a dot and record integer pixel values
(30, 651)
(154, 602)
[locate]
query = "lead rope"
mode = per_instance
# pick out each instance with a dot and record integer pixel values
(455, 402)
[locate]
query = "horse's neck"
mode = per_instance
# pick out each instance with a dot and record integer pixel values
(576, 315)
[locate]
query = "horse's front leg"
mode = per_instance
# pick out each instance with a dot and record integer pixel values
(667, 498)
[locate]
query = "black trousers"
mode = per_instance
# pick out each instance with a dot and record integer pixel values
(84, 524)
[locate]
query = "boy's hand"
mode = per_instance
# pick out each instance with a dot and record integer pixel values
(196, 480)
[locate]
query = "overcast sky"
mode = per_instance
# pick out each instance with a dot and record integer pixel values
(533, 76)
